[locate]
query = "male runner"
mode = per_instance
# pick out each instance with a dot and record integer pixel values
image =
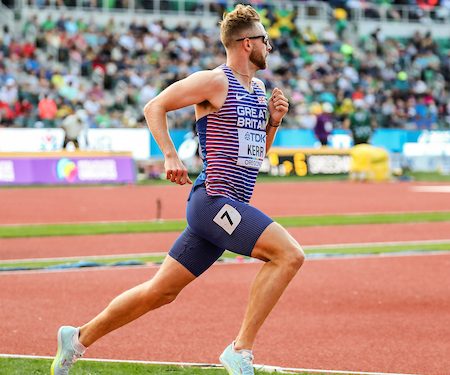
(235, 132)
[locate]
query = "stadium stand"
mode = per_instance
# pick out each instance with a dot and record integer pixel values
(55, 65)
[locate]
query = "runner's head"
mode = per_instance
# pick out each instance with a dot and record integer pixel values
(242, 28)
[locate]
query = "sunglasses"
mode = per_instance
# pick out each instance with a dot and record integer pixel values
(265, 39)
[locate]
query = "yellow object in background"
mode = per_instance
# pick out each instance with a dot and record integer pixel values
(369, 163)
(340, 14)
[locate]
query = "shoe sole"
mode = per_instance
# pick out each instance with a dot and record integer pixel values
(58, 353)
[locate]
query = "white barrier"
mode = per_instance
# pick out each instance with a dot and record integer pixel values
(136, 141)
(31, 140)
(431, 152)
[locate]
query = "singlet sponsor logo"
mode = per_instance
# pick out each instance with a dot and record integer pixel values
(240, 97)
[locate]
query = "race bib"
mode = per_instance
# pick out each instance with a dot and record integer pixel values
(252, 148)
(228, 218)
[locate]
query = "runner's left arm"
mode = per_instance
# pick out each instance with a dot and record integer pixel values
(278, 107)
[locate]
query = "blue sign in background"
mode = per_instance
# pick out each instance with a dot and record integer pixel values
(390, 139)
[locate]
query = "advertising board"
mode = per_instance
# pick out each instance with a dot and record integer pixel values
(136, 141)
(284, 162)
(66, 170)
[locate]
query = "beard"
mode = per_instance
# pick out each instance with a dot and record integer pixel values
(258, 59)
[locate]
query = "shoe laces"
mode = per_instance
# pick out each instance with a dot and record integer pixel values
(247, 362)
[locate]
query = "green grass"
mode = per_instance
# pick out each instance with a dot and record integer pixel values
(90, 229)
(22, 366)
(308, 221)
(156, 259)
(428, 176)
(15, 366)
(19, 231)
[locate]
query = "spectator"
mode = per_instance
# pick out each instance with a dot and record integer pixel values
(47, 111)
(9, 93)
(73, 125)
(360, 123)
(324, 124)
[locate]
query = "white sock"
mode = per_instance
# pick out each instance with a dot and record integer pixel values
(248, 351)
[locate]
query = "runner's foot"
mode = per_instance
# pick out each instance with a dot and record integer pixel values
(69, 350)
(237, 362)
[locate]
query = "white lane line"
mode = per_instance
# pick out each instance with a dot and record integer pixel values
(265, 368)
(431, 189)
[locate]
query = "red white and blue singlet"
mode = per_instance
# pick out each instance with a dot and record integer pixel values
(233, 142)
(233, 146)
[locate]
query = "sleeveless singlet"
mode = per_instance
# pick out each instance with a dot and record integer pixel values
(233, 142)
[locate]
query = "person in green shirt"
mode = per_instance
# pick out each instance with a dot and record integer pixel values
(48, 24)
(360, 123)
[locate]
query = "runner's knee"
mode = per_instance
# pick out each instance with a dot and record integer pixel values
(276, 245)
(168, 297)
(294, 257)
(163, 296)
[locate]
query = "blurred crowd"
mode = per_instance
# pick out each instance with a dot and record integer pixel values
(412, 10)
(106, 73)
(419, 10)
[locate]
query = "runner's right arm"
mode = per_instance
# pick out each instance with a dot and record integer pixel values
(200, 87)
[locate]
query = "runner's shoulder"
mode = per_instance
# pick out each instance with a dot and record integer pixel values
(212, 79)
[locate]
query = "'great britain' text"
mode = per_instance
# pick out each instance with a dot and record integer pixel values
(251, 118)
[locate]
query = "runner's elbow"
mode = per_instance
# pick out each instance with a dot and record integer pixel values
(149, 107)
(154, 112)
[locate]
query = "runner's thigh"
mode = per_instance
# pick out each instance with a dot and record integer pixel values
(195, 253)
(226, 223)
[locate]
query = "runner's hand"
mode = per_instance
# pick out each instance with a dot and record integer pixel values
(278, 106)
(176, 171)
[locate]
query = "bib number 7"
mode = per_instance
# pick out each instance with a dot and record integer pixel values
(228, 218)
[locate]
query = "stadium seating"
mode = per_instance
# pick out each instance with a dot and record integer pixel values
(111, 70)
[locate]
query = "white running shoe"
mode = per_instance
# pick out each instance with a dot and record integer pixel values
(69, 350)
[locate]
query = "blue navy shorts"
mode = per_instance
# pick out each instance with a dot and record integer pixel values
(216, 224)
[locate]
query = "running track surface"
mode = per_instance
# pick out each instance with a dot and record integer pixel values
(377, 314)
(114, 244)
(47, 205)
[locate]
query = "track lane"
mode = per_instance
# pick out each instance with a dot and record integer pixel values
(124, 203)
(377, 314)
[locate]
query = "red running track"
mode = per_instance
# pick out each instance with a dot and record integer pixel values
(50, 247)
(382, 314)
(80, 204)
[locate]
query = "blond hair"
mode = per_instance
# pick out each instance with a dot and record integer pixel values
(242, 18)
